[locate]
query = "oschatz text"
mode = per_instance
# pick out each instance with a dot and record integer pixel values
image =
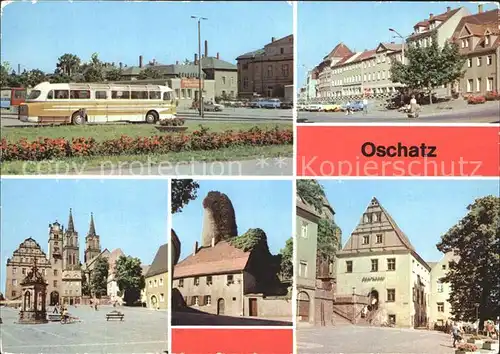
(370, 149)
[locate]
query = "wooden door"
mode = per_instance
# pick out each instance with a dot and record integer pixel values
(220, 306)
(252, 307)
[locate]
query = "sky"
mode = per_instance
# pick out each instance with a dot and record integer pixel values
(424, 209)
(128, 214)
(359, 25)
(257, 204)
(36, 35)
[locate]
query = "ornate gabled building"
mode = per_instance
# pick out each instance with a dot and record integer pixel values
(61, 266)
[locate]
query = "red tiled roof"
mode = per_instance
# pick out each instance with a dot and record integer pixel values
(220, 259)
(340, 51)
(478, 24)
(441, 17)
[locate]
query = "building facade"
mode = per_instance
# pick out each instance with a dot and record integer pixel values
(156, 279)
(440, 308)
(379, 264)
(266, 72)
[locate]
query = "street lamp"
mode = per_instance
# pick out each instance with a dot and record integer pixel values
(200, 87)
(477, 317)
(403, 46)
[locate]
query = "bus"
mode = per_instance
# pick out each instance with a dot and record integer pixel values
(12, 97)
(80, 103)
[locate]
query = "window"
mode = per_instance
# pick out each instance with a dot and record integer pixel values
(379, 238)
(55, 272)
(61, 94)
(14, 270)
(440, 306)
(478, 84)
(392, 319)
(177, 93)
(196, 281)
(284, 69)
(489, 84)
(14, 293)
(366, 239)
(183, 93)
(303, 232)
(245, 82)
(391, 295)
(470, 82)
(269, 71)
(348, 265)
(196, 301)
(383, 75)
(230, 279)
(209, 280)
(162, 297)
(208, 300)
(245, 66)
(139, 95)
(156, 95)
(155, 282)
(463, 43)
(303, 269)
(439, 287)
(489, 60)
(14, 282)
(150, 283)
(189, 92)
(55, 283)
(80, 94)
(232, 80)
(223, 78)
(469, 63)
(391, 263)
(181, 283)
(124, 95)
(23, 271)
(374, 265)
(161, 281)
(478, 61)
(282, 50)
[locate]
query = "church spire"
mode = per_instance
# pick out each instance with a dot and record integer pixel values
(71, 226)
(92, 226)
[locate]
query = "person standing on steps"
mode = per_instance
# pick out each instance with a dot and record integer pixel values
(455, 332)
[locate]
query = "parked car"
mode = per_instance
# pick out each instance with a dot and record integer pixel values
(213, 107)
(355, 106)
(256, 103)
(314, 108)
(270, 103)
(331, 108)
(286, 105)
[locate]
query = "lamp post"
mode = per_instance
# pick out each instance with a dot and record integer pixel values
(403, 46)
(477, 317)
(200, 87)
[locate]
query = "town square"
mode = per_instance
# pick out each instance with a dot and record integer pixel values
(107, 294)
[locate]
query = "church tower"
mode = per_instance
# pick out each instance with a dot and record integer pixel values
(92, 243)
(55, 241)
(71, 250)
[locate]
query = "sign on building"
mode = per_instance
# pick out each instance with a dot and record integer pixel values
(190, 83)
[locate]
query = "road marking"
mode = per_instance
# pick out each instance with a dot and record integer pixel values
(83, 344)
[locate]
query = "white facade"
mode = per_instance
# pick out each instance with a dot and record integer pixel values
(440, 308)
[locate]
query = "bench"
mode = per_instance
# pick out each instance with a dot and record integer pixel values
(54, 317)
(114, 315)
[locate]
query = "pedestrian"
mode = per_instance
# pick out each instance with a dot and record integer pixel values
(365, 106)
(56, 310)
(455, 332)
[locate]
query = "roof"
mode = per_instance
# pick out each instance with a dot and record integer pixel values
(217, 64)
(302, 204)
(391, 46)
(432, 264)
(252, 54)
(145, 268)
(478, 25)
(92, 260)
(340, 51)
(160, 262)
(401, 235)
(220, 259)
(445, 16)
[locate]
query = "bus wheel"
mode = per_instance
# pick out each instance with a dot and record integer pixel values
(151, 117)
(77, 118)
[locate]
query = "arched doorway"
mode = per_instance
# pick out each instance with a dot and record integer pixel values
(220, 306)
(374, 300)
(154, 302)
(303, 306)
(27, 300)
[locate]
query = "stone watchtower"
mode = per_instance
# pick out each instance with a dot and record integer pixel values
(71, 250)
(92, 242)
(219, 220)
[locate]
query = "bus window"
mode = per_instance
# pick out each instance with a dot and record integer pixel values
(61, 94)
(80, 94)
(139, 95)
(124, 95)
(50, 95)
(166, 96)
(101, 95)
(155, 95)
(34, 94)
(21, 94)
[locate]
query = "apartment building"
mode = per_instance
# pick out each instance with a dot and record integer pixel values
(324, 83)
(478, 39)
(440, 308)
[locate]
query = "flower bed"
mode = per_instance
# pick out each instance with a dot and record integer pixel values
(476, 99)
(466, 348)
(492, 96)
(174, 122)
(203, 139)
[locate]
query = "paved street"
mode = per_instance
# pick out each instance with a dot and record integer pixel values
(356, 339)
(487, 113)
(259, 167)
(142, 331)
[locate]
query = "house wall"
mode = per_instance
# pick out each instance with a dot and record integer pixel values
(226, 82)
(157, 288)
(270, 307)
(469, 83)
(440, 293)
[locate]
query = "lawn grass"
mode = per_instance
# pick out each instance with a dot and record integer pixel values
(112, 131)
(100, 164)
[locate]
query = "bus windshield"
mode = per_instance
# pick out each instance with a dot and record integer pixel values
(34, 94)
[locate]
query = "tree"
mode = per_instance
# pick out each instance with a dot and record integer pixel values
(312, 193)
(85, 286)
(4, 74)
(99, 277)
(149, 73)
(429, 67)
(129, 277)
(287, 260)
(474, 277)
(93, 70)
(328, 238)
(32, 78)
(114, 74)
(68, 64)
(182, 192)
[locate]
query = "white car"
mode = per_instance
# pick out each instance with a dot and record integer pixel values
(314, 108)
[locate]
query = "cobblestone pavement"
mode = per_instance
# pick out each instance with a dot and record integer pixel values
(355, 339)
(142, 331)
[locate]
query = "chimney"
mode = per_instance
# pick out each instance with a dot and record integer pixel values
(18, 69)
(448, 9)
(217, 55)
(195, 248)
(176, 62)
(273, 39)
(121, 65)
(195, 59)
(480, 8)
(213, 241)
(140, 61)
(206, 49)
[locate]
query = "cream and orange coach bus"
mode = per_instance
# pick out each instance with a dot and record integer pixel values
(97, 103)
